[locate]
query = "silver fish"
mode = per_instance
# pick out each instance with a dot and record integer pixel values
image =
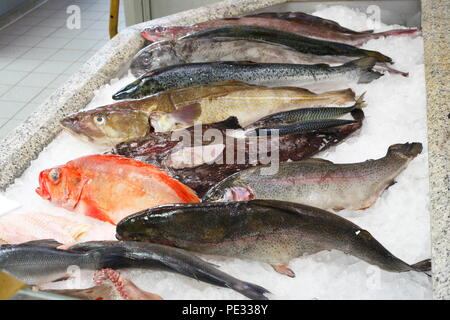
(318, 182)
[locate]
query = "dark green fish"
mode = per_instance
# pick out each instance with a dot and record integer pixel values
(184, 75)
(297, 42)
(265, 230)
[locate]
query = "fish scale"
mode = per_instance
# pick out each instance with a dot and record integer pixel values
(254, 73)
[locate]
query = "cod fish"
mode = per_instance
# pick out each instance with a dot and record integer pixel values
(130, 120)
(144, 255)
(110, 187)
(234, 155)
(319, 183)
(270, 231)
(296, 22)
(184, 75)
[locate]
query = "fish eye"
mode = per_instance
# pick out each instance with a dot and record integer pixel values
(54, 174)
(146, 58)
(99, 119)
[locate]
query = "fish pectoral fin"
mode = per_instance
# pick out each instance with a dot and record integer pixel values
(49, 243)
(283, 269)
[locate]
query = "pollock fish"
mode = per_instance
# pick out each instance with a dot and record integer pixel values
(235, 153)
(131, 120)
(301, 44)
(110, 187)
(296, 22)
(319, 183)
(159, 257)
(270, 231)
(23, 227)
(183, 75)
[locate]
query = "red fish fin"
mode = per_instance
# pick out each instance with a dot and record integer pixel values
(283, 269)
(90, 209)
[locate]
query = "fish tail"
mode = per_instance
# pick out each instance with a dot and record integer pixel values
(410, 150)
(360, 103)
(365, 65)
(423, 266)
(250, 290)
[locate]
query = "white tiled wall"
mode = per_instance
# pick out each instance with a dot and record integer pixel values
(38, 53)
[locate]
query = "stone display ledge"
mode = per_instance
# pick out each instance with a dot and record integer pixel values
(24, 144)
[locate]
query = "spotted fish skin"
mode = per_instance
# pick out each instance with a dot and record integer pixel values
(320, 183)
(183, 75)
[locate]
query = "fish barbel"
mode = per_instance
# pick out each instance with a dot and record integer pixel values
(273, 74)
(270, 231)
(110, 187)
(296, 22)
(319, 183)
(130, 120)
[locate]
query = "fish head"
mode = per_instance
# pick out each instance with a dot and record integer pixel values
(62, 186)
(108, 126)
(229, 193)
(158, 225)
(140, 88)
(157, 55)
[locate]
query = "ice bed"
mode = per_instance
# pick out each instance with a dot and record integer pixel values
(396, 113)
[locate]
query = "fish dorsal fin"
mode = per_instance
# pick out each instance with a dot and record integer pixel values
(316, 160)
(49, 243)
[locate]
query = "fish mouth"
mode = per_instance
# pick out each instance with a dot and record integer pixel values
(42, 190)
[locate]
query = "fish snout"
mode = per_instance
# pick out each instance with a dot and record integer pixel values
(42, 190)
